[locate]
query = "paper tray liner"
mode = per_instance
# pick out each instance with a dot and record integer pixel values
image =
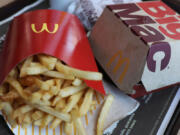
(122, 106)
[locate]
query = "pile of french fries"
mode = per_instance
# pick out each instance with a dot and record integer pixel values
(42, 90)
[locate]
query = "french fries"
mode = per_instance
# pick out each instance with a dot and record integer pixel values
(37, 115)
(68, 91)
(79, 126)
(85, 106)
(68, 128)
(77, 82)
(8, 110)
(21, 110)
(35, 69)
(55, 123)
(78, 73)
(56, 74)
(48, 61)
(27, 119)
(47, 119)
(72, 101)
(53, 112)
(103, 114)
(17, 86)
(11, 95)
(26, 63)
(44, 91)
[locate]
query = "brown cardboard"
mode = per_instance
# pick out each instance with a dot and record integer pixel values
(138, 42)
(110, 36)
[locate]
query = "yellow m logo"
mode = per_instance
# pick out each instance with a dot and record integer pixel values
(121, 61)
(45, 28)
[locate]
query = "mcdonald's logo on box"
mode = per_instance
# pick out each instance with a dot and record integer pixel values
(45, 28)
(138, 42)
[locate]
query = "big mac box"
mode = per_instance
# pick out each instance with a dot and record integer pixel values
(138, 43)
(49, 81)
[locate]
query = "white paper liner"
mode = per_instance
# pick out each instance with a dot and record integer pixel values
(123, 106)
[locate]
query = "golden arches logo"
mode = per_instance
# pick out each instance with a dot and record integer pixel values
(121, 61)
(45, 28)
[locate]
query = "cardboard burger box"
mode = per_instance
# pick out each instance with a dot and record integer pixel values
(138, 42)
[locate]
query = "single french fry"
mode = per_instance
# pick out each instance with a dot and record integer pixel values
(87, 75)
(56, 74)
(11, 95)
(53, 112)
(50, 82)
(68, 91)
(55, 100)
(2, 89)
(93, 106)
(38, 122)
(27, 118)
(79, 126)
(26, 63)
(35, 99)
(47, 119)
(35, 64)
(36, 96)
(2, 104)
(21, 110)
(61, 104)
(20, 119)
(47, 61)
(13, 73)
(77, 82)
(36, 69)
(25, 125)
(72, 101)
(67, 83)
(55, 123)
(47, 96)
(85, 106)
(59, 83)
(27, 81)
(37, 115)
(44, 103)
(54, 90)
(75, 113)
(103, 114)
(47, 84)
(33, 88)
(38, 81)
(68, 127)
(8, 110)
(17, 86)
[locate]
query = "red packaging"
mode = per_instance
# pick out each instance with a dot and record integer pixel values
(51, 32)
(61, 35)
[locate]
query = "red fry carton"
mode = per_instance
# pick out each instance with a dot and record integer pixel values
(61, 35)
(138, 42)
(51, 32)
